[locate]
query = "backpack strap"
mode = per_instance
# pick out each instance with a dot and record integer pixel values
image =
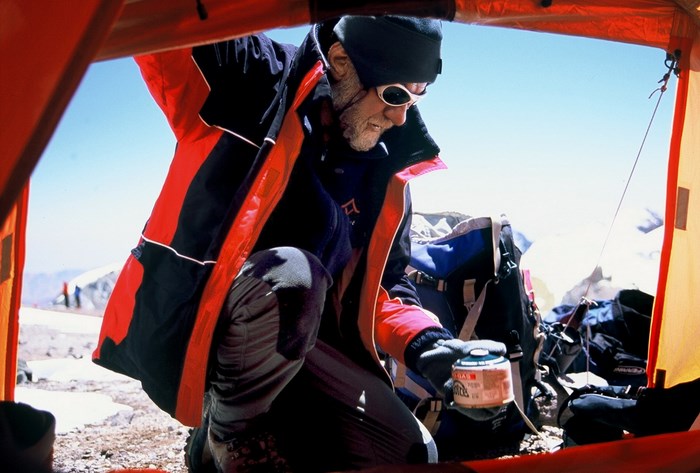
(474, 312)
(431, 421)
(501, 269)
(429, 405)
(419, 277)
(514, 357)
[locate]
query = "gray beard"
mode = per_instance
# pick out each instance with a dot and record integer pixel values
(344, 91)
(345, 94)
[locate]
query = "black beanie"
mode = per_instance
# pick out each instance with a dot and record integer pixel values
(392, 49)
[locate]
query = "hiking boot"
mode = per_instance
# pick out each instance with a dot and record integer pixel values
(198, 458)
(254, 452)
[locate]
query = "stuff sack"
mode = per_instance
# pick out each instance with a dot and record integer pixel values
(594, 414)
(612, 337)
(471, 280)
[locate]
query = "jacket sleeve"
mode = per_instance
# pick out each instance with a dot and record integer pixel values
(179, 89)
(400, 320)
(246, 77)
(224, 84)
(394, 279)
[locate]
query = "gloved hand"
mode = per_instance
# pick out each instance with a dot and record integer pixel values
(476, 413)
(435, 365)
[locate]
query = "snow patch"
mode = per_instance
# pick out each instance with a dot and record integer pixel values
(72, 410)
(61, 321)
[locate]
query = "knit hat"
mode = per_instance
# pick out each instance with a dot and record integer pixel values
(392, 49)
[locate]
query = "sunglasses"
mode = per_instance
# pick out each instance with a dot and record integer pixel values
(396, 95)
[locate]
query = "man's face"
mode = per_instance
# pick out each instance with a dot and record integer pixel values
(363, 115)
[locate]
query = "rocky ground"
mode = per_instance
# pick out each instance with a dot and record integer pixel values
(146, 437)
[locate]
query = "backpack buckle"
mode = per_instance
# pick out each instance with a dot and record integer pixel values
(427, 280)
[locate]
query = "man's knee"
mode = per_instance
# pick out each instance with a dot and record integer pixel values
(299, 282)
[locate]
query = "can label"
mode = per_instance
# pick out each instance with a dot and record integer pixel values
(482, 380)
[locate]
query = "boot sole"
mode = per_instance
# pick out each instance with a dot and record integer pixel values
(197, 457)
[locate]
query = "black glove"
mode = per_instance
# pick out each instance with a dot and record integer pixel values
(435, 365)
(476, 413)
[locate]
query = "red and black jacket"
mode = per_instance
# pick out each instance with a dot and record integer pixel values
(237, 111)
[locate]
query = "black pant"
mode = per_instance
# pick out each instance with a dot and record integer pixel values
(327, 411)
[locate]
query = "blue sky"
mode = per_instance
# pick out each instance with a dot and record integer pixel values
(544, 128)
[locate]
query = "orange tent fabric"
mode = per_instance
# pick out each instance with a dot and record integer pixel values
(46, 47)
(674, 354)
(677, 453)
(11, 265)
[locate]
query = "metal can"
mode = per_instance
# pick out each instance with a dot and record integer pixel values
(482, 380)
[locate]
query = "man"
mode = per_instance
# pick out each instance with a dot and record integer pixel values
(273, 262)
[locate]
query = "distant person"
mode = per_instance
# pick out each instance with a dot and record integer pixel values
(77, 296)
(66, 296)
(317, 292)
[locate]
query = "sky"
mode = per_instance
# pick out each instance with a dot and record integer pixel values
(541, 127)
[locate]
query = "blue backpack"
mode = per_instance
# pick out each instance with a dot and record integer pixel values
(471, 280)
